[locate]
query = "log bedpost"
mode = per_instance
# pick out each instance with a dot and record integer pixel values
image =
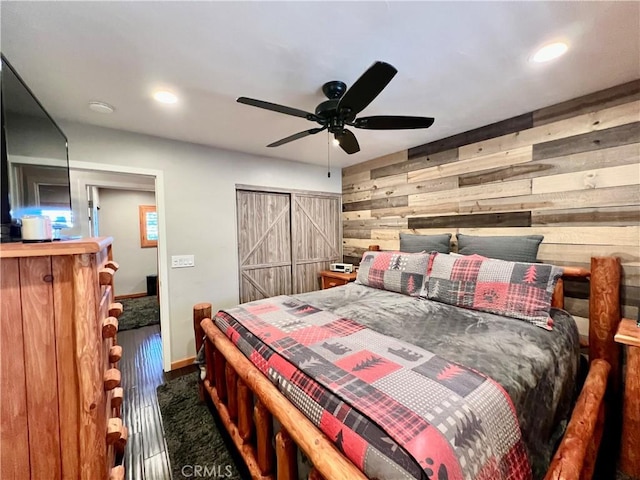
(200, 312)
(264, 434)
(245, 411)
(232, 392)
(219, 367)
(287, 466)
(604, 314)
(557, 300)
(584, 431)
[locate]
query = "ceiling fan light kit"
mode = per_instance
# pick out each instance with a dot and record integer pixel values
(343, 106)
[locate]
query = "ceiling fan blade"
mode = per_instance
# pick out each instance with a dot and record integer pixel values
(296, 136)
(391, 122)
(276, 108)
(367, 87)
(348, 141)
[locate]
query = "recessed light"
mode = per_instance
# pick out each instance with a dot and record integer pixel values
(550, 52)
(101, 107)
(164, 96)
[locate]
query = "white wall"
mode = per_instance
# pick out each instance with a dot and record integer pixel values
(82, 180)
(199, 185)
(118, 218)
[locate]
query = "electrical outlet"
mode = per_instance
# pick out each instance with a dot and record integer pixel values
(182, 261)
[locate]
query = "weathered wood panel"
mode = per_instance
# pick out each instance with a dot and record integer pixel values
(437, 185)
(589, 122)
(623, 134)
(577, 162)
(514, 124)
(511, 219)
(494, 160)
(375, 223)
(432, 160)
(598, 178)
(613, 216)
(621, 236)
(358, 215)
(601, 197)
(573, 176)
(375, 184)
(375, 204)
(627, 92)
(379, 162)
(500, 190)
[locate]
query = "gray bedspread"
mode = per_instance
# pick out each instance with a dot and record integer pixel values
(537, 368)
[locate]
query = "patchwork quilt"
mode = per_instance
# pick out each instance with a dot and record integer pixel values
(394, 409)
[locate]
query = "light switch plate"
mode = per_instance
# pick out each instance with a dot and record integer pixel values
(182, 261)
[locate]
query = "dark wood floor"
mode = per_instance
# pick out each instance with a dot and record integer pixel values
(146, 456)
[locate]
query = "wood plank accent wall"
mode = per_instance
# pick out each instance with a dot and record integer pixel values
(570, 172)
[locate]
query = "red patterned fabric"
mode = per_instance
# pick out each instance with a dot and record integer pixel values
(511, 289)
(394, 271)
(395, 410)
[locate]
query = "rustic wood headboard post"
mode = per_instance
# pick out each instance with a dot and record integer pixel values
(604, 314)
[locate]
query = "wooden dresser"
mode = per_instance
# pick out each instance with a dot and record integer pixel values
(59, 385)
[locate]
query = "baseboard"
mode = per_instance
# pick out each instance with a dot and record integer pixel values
(185, 362)
(131, 295)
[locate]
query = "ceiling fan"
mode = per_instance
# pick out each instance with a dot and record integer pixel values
(343, 106)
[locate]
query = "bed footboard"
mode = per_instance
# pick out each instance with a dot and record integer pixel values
(231, 381)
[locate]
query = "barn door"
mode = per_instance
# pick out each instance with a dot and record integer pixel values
(264, 244)
(317, 239)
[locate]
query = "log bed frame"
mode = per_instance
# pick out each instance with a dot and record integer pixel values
(232, 382)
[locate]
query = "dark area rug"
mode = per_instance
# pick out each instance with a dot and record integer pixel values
(194, 437)
(139, 312)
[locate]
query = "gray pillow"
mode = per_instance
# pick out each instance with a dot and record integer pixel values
(425, 243)
(512, 249)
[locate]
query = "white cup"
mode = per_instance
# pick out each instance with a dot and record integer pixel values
(36, 228)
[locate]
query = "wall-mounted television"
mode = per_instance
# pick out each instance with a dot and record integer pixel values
(35, 162)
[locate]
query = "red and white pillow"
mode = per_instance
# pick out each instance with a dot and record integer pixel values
(394, 271)
(512, 289)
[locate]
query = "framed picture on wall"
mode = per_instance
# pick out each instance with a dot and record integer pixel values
(148, 226)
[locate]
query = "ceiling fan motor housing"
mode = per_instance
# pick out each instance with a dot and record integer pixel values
(334, 90)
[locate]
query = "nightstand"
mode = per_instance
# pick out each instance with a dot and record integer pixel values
(629, 334)
(334, 279)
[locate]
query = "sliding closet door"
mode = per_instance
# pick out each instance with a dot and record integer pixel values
(264, 244)
(317, 240)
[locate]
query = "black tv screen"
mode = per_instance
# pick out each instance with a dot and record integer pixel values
(35, 165)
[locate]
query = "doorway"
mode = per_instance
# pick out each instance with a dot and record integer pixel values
(123, 214)
(134, 178)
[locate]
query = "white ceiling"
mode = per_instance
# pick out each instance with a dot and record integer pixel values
(464, 63)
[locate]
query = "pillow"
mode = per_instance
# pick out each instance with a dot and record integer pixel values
(394, 271)
(513, 249)
(425, 243)
(512, 289)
